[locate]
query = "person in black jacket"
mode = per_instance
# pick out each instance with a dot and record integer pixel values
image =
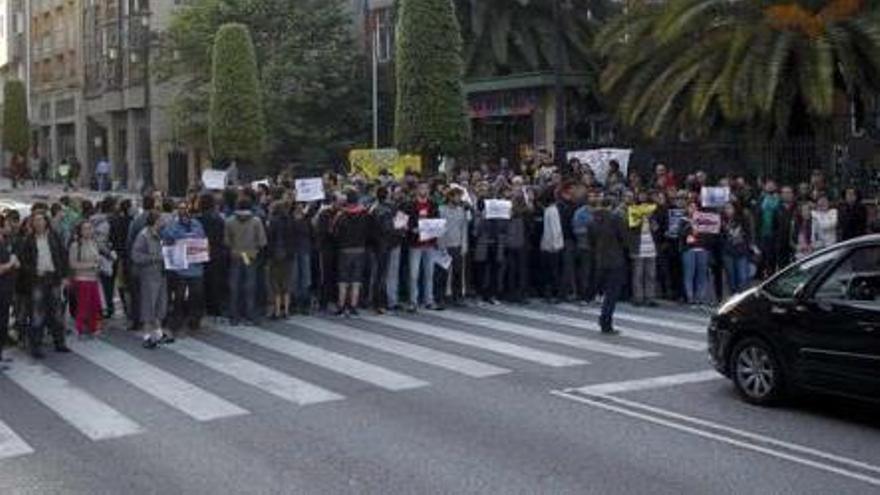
(44, 267)
(853, 215)
(8, 264)
(280, 233)
(216, 268)
(351, 229)
(607, 236)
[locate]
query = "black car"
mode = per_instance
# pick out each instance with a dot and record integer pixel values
(813, 326)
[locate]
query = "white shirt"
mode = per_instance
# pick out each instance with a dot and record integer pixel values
(44, 256)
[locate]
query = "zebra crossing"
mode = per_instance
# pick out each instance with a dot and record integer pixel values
(493, 341)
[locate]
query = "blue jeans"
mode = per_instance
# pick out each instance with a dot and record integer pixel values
(392, 281)
(301, 278)
(242, 289)
(421, 261)
(738, 272)
(696, 274)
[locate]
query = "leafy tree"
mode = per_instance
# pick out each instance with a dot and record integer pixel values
(430, 115)
(237, 128)
(696, 63)
(16, 128)
(303, 47)
(514, 36)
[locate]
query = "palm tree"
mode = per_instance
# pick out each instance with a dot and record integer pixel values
(514, 36)
(692, 64)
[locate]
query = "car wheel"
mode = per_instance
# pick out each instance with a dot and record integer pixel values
(757, 372)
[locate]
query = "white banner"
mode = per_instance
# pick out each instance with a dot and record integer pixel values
(197, 251)
(175, 257)
(498, 209)
(308, 190)
(599, 159)
(431, 228)
(214, 179)
(715, 197)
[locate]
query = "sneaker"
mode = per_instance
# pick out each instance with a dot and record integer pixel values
(38, 354)
(166, 339)
(340, 312)
(353, 312)
(610, 331)
(63, 349)
(150, 343)
(412, 308)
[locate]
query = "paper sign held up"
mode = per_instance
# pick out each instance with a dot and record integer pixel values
(431, 228)
(308, 190)
(214, 179)
(498, 209)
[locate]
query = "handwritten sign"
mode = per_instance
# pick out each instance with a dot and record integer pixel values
(498, 209)
(714, 197)
(175, 257)
(443, 259)
(308, 190)
(214, 179)
(707, 223)
(431, 228)
(401, 221)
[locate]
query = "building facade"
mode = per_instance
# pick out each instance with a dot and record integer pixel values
(56, 100)
(128, 121)
(13, 44)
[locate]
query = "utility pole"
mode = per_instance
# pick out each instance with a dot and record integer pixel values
(147, 168)
(559, 87)
(375, 50)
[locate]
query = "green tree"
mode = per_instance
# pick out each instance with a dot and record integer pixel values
(312, 71)
(16, 128)
(695, 64)
(430, 116)
(237, 128)
(513, 36)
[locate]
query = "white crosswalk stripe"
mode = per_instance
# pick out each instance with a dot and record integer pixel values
(663, 322)
(652, 337)
(465, 366)
(338, 363)
(546, 335)
(469, 339)
(93, 418)
(177, 393)
(12, 445)
(264, 378)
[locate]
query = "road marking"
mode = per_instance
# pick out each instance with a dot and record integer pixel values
(93, 418)
(601, 401)
(684, 313)
(246, 371)
(654, 338)
(648, 383)
(187, 398)
(546, 335)
(12, 445)
(665, 322)
(344, 365)
(469, 339)
(414, 352)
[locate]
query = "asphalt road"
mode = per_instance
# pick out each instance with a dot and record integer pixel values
(501, 400)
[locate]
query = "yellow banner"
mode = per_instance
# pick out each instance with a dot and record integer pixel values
(371, 162)
(636, 214)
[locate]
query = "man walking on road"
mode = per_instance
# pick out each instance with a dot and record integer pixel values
(607, 236)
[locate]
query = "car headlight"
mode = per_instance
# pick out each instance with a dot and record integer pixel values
(734, 301)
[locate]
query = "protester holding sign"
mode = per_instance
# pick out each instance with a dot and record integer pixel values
(186, 286)
(421, 249)
(491, 230)
(695, 257)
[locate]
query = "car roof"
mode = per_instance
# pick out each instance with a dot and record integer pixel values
(861, 241)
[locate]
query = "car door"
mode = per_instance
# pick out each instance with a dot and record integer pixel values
(837, 326)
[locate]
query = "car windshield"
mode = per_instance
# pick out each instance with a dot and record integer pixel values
(786, 284)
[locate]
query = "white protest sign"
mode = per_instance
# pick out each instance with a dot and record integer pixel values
(714, 197)
(257, 183)
(431, 228)
(175, 257)
(498, 209)
(401, 221)
(196, 251)
(214, 179)
(443, 259)
(707, 223)
(308, 190)
(599, 159)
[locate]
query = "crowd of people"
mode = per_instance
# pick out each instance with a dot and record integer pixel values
(565, 235)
